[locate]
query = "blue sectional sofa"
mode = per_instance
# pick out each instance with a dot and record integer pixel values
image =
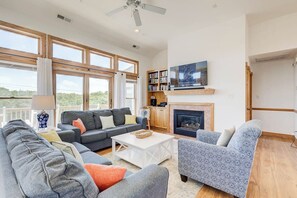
(97, 138)
(31, 167)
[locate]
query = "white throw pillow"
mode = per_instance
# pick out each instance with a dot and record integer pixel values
(68, 148)
(225, 137)
(107, 122)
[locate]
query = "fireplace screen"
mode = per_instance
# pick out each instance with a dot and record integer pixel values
(188, 122)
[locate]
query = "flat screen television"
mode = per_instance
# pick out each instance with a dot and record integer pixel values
(192, 75)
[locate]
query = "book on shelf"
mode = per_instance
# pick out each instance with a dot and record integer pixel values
(153, 75)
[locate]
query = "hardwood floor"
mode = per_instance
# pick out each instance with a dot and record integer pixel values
(274, 172)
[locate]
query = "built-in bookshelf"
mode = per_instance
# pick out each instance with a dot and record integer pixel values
(157, 83)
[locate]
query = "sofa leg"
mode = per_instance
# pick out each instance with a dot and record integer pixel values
(184, 178)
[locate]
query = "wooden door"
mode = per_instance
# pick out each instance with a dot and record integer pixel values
(153, 116)
(248, 89)
(161, 118)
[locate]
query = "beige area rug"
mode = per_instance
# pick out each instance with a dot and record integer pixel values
(176, 188)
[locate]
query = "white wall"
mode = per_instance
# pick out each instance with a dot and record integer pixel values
(160, 61)
(224, 47)
(273, 87)
(55, 27)
(273, 35)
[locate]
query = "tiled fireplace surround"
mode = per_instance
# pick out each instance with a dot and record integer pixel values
(208, 109)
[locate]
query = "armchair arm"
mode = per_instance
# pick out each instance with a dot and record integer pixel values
(208, 136)
(70, 127)
(220, 167)
(142, 121)
(67, 136)
(152, 181)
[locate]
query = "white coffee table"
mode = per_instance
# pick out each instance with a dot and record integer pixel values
(142, 152)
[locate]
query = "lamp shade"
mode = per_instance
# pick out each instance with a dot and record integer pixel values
(43, 102)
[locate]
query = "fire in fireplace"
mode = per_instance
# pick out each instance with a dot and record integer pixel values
(187, 122)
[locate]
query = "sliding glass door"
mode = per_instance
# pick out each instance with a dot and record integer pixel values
(69, 93)
(82, 92)
(99, 93)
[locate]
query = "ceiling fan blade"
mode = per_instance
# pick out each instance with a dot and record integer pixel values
(116, 10)
(153, 8)
(137, 17)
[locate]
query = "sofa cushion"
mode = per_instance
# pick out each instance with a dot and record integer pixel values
(93, 158)
(133, 127)
(55, 173)
(80, 148)
(115, 131)
(86, 116)
(245, 137)
(97, 114)
(93, 136)
(119, 115)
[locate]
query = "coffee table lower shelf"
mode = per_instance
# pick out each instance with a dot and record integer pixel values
(142, 158)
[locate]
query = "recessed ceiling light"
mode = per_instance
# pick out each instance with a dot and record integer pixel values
(136, 30)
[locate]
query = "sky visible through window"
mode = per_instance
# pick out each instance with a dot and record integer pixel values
(101, 61)
(67, 53)
(125, 66)
(19, 42)
(17, 79)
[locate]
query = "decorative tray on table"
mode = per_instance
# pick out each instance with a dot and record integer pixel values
(140, 134)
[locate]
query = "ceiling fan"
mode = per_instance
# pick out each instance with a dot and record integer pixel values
(135, 5)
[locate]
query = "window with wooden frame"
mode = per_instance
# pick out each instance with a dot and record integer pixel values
(101, 60)
(127, 65)
(18, 44)
(17, 86)
(130, 100)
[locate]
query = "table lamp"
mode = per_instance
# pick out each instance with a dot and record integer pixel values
(43, 103)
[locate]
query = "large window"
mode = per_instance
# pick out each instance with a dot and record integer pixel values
(15, 41)
(127, 66)
(131, 96)
(67, 53)
(69, 94)
(99, 93)
(100, 60)
(17, 86)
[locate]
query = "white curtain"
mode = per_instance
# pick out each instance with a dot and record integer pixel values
(119, 90)
(139, 98)
(45, 83)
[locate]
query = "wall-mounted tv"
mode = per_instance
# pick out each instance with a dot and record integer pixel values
(192, 75)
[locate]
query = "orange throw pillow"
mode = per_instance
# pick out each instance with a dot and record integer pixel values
(105, 176)
(79, 124)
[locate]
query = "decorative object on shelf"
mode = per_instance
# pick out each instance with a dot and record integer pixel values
(294, 142)
(43, 103)
(141, 134)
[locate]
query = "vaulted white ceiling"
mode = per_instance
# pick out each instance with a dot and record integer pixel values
(181, 16)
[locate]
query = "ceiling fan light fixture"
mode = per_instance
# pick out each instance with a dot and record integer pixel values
(136, 30)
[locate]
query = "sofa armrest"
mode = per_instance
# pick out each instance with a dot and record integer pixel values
(67, 136)
(208, 136)
(142, 121)
(70, 127)
(220, 167)
(152, 181)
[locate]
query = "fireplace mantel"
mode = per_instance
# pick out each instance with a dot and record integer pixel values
(208, 109)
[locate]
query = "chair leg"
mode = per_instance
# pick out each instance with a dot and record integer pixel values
(184, 178)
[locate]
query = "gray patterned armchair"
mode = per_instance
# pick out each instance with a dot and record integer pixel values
(225, 168)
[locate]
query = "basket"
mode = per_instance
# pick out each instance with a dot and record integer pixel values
(141, 134)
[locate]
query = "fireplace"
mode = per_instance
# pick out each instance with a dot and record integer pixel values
(187, 122)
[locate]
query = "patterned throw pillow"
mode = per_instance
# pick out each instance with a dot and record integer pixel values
(105, 176)
(225, 137)
(107, 122)
(130, 119)
(68, 148)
